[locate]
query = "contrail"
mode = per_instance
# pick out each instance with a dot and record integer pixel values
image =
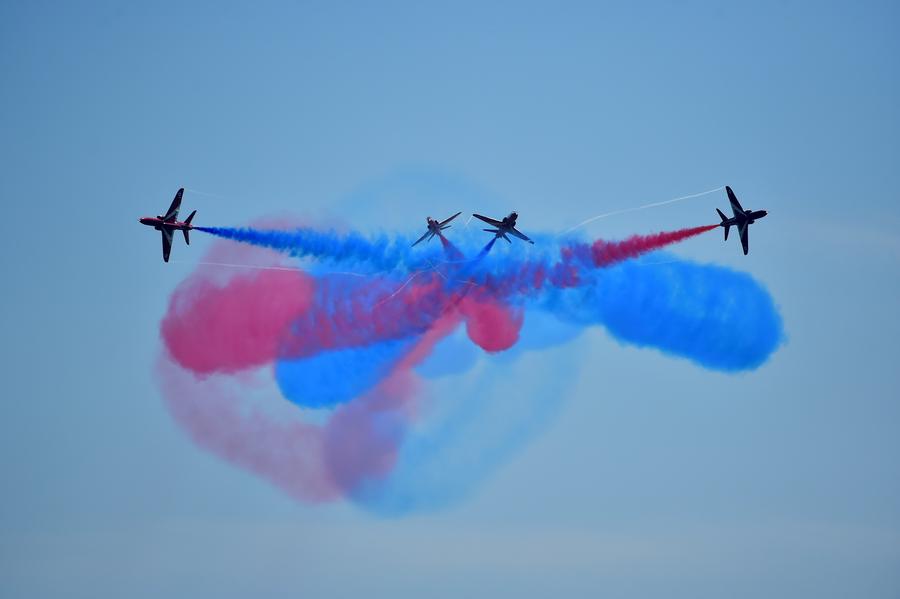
(229, 265)
(644, 207)
(403, 286)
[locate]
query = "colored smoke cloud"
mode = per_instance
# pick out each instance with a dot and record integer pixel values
(352, 351)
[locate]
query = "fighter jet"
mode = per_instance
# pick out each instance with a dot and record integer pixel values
(742, 219)
(435, 227)
(168, 223)
(502, 227)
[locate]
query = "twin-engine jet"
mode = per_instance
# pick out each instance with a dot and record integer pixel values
(504, 227)
(435, 227)
(168, 223)
(742, 219)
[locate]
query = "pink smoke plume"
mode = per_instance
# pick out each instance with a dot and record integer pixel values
(490, 324)
(241, 321)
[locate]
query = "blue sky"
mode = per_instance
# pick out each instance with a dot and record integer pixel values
(655, 477)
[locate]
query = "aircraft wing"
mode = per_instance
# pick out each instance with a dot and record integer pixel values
(520, 235)
(745, 242)
(167, 243)
(735, 205)
(489, 221)
(444, 222)
(172, 212)
(422, 238)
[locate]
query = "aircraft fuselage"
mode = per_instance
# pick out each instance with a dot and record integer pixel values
(742, 219)
(158, 223)
(504, 227)
(434, 228)
(747, 216)
(507, 224)
(167, 223)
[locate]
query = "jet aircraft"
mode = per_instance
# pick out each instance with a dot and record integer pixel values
(435, 227)
(742, 219)
(168, 223)
(504, 227)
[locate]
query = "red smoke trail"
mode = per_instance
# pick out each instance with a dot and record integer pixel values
(532, 277)
(376, 311)
(605, 253)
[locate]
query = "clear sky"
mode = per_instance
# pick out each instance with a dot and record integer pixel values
(656, 478)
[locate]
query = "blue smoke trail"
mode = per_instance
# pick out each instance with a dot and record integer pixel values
(381, 253)
(716, 317)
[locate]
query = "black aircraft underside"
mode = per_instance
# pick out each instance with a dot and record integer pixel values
(168, 223)
(504, 227)
(435, 228)
(742, 219)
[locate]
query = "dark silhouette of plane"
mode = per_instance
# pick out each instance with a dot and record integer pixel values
(504, 227)
(168, 223)
(742, 219)
(435, 227)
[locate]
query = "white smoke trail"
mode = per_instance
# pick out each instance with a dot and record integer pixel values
(644, 207)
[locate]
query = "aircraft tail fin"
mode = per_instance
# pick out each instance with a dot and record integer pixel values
(724, 218)
(187, 237)
(491, 231)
